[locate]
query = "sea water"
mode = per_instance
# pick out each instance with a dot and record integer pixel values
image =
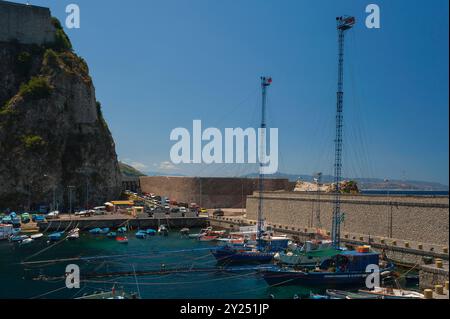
(154, 253)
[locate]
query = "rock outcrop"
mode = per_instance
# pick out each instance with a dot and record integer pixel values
(52, 133)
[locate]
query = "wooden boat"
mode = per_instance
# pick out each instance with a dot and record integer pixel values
(111, 234)
(184, 231)
(25, 218)
(95, 231)
(151, 232)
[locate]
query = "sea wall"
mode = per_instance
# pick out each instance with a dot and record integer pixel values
(211, 192)
(26, 24)
(415, 218)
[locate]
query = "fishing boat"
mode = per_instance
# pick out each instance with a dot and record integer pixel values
(266, 245)
(73, 234)
(342, 294)
(141, 234)
(17, 238)
(56, 236)
(313, 252)
(122, 239)
(162, 230)
(37, 236)
(349, 268)
(111, 234)
(39, 218)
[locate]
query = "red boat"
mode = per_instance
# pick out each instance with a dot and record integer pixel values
(122, 240)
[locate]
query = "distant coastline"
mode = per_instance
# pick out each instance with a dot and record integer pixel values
(404, 192)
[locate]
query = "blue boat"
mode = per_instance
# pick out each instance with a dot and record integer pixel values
(104, 230)
(95, 230)
(141, 234)
(18, 238)
(111, 234)
(122, 230)
(56, 236)
(16, 231)
(349, 269)
(151, 232)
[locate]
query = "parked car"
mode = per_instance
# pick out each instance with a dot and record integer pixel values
(218, 213)
(83, 213)
(52, 215)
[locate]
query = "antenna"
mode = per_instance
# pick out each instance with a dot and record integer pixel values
(344, 23)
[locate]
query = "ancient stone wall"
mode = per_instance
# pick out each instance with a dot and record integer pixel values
(26, 24)
(209, 192)
(415, 218)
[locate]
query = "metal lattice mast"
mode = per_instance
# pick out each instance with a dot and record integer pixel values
(265, 82)
(343, 24)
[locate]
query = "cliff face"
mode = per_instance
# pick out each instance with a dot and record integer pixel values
(52, 133)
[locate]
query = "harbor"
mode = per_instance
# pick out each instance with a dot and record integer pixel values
(218, 216)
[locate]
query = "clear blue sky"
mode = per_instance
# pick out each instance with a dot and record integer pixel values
(158, 65)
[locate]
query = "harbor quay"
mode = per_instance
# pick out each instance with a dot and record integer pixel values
(65, 222)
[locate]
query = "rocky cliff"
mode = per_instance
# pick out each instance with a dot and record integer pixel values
(52, 132)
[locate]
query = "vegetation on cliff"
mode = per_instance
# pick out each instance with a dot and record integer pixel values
(52, 131)
(129, 171)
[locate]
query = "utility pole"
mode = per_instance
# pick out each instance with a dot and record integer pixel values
(343, 24)
(70, 199)
(317, 179)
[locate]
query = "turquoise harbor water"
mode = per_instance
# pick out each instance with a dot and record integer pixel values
(19, 281)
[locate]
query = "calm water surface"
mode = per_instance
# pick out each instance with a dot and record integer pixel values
(19, 281)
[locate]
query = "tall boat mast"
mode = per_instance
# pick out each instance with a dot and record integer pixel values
(343, 24)
(265, 82)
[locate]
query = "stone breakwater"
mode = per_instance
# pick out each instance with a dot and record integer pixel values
(411, 218)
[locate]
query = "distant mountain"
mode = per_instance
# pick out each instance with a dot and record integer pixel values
(129, 171)
(366, 183)
(162, 174)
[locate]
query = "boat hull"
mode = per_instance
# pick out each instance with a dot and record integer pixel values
(329, 279)
(230, 256)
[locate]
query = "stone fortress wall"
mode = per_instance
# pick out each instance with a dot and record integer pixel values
(26, 24)
(415, 218)
(209, 192)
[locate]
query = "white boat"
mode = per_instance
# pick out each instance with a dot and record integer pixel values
(394, 293)
(26, 241)
(37, 236)
(73, 234)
